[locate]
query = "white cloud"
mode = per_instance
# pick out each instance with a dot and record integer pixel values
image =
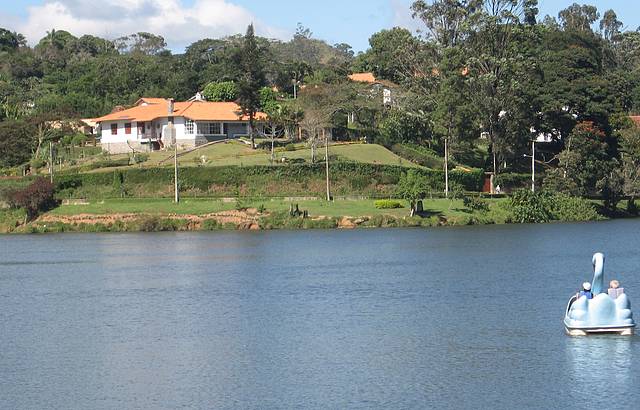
(402, 15)
(178, 23)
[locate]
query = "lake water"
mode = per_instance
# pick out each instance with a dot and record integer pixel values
(440, 318)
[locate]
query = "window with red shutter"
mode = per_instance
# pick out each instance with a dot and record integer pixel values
(114, 129)
(127, 128)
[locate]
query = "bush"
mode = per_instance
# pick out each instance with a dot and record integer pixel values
(388, 204)
(107, 163)
(475, 203)
(202, 179)
(290, 147)
(139, 158)
(210, 225)
(419, 155)
(38, 163)
(35, 198)
(510, 181)
(530, 207)
(382, 221)
(573, 209)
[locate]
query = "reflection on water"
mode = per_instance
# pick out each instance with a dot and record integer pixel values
(600, 362)
(446, 318)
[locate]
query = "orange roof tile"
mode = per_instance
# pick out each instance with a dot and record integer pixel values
(363, 78)
(194, 110)
(145, 100)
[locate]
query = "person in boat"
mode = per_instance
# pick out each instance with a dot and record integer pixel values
(614, 289)
(586, 291)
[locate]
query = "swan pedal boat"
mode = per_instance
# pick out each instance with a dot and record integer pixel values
(602, 314)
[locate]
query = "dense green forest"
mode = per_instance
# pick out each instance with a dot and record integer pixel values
(483, 79)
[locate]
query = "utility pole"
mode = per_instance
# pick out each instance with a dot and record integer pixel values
(326, 154)
(446, 167)
(533, 166)
(175, 173)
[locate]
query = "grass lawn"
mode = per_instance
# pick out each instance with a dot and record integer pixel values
(237, 153)
(200, 206)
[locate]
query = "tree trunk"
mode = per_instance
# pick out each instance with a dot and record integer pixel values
(252, 131)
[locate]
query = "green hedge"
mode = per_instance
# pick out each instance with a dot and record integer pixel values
(388, 204)
(418, 154)
(202, 178)
(512, 181)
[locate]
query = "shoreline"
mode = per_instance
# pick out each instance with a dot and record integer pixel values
(249, 220)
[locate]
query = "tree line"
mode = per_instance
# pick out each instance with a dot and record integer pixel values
(483, 80)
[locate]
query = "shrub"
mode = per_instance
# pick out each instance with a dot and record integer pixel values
(139, 158)
(290, 147)
(511, 181)
(419, 154)
(107, 163)
(38, 163)
(35, 198)
(388, 204)
(359, 182)
(210, 225)
(475, 203)
(383, 221)
(530, 207)
(573, 209)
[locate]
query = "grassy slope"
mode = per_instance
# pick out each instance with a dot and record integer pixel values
(237, 153)
(316, 208)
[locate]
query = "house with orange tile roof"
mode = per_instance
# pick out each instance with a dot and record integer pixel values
(386, 87)
(143, 127)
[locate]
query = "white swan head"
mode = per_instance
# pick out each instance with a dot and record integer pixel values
(597, 285)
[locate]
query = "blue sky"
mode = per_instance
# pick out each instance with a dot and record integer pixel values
(350, 21)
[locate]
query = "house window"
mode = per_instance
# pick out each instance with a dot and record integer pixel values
(114, 129)
(189, 126)
(141, 128)
(210, 128)
(127, 128)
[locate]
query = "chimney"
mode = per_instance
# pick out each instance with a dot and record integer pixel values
(170, 107)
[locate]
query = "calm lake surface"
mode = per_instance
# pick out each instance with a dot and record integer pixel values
(441, 318)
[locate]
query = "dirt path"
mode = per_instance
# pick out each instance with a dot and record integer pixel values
(248, 219)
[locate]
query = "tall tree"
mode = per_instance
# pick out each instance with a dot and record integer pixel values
(252, 79)
(446, 20)
(610, 25)
(497, 68)
(141, 43)
(578, 17)
(10, 40)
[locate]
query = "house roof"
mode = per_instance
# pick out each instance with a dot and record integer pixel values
(370, 78)
(194, 110)
(147, 100)
(363, 78)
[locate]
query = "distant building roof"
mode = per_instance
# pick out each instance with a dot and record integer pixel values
(363, 78)
(149, 109)
(148, 101)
